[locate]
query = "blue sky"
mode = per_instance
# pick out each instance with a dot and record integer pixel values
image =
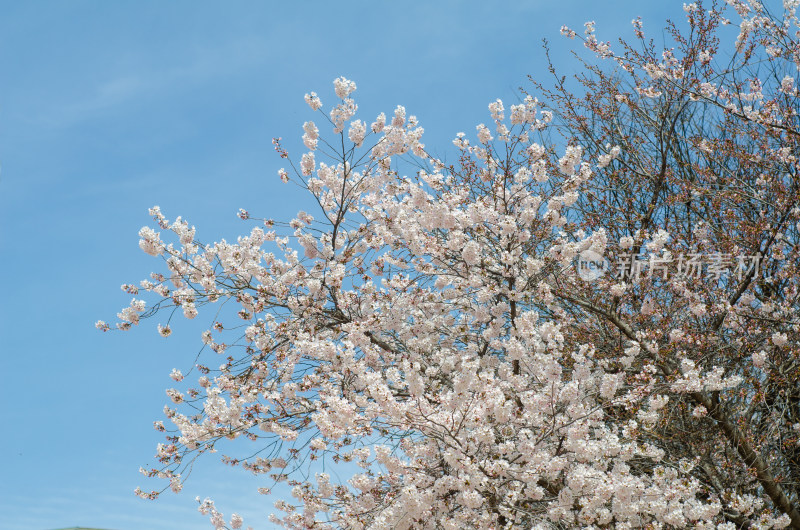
(108, 108)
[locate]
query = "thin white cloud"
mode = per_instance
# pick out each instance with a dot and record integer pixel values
(118, 90)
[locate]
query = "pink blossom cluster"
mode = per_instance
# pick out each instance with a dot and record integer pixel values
(423, 327)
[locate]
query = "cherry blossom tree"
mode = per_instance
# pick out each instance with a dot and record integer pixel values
(429, 324)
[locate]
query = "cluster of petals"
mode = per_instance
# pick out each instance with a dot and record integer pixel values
(407, 329)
